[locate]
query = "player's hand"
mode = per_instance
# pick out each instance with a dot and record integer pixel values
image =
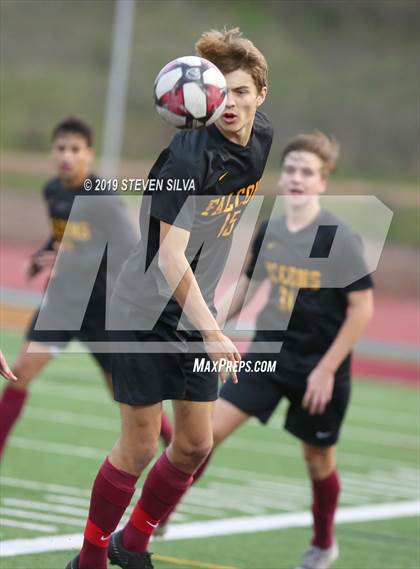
(5, 371)
(319, 390)
(39, 262)
(220, 348)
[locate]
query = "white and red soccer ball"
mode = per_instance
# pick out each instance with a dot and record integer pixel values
(190, 92)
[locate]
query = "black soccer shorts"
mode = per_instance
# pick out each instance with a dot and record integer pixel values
(148, 377)
(92, 330)
(258, 394)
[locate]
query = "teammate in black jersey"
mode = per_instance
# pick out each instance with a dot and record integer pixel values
(92, 222)
(313, 366)
(226, 162)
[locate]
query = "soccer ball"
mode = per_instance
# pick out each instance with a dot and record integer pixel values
(190, 92)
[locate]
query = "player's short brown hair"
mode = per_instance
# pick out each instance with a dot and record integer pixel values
(325, 147)
(73, 124)
(229, 51)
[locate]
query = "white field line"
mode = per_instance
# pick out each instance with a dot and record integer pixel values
(70, 500)
(58, 448)
(31, 505)
(25, 525)
(230, 526)
(366, 435)
(272, 448)
(31, 515)
(73, 419)
(376, 481)
(401, 476)
(293, 452)
(54, 498)
(287, 493)
(370, 488)
(42, 486)
(377, 436)
(254, 496)
(79, 393)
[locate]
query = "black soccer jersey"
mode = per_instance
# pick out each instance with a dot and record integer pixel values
(299, 288)
(221, 177)
(93, 221)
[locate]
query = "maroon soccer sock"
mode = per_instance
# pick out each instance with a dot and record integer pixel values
(196, 476)
(11, 404)
(163, 488)
(111, 493)
(166, 430)
(325, 499)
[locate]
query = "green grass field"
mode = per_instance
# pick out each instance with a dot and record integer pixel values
(71, 423)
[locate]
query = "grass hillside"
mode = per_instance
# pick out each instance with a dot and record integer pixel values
(347, 68)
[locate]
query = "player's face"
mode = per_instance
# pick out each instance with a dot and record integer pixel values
(242, 102)
(72, 157)
(301, 178)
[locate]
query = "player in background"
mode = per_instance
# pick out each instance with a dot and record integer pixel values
(72, 154)
(238, 143)
(313, 367)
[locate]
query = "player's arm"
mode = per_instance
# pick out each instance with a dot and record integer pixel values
(244, 292)
(42, 259)
(249, 281)
(179, 275)
(321, 380)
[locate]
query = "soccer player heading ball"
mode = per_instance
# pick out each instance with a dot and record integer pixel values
(226, 161)
(313, 366)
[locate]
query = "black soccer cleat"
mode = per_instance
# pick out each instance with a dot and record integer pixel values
(124, 558)
(74, 563)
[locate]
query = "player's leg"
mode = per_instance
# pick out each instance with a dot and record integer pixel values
(226, 419)
(254, 395)
(104, 361)
(166, 426)
(322, 470)
(115, 482)
(171, 475)
(13, 398)
(319, 434)
(321, 466)
(166, 431)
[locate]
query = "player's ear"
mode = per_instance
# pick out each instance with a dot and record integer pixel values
(323, 185)
(261, 96)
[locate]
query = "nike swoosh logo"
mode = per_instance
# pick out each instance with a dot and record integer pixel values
(104, 537)
(323, 435)
(153, 525)
(222, 176)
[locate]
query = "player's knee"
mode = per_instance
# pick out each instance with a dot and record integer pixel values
(193, 451)
(137, 456)
(319, 461)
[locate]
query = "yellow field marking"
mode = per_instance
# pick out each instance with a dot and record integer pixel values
(190, 562)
